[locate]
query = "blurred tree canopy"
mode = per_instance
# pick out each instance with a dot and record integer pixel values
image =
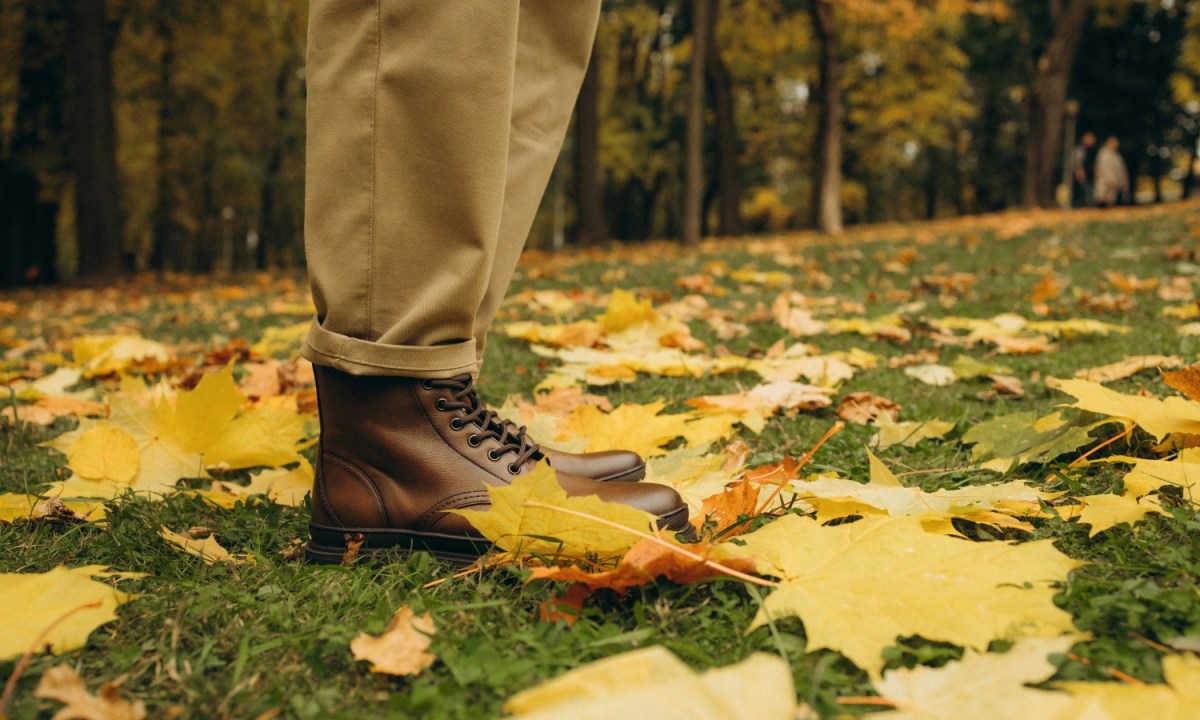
(169, 134)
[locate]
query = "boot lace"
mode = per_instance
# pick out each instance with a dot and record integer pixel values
(512, 439)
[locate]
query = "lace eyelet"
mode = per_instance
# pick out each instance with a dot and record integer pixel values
(513, 469)
(493, 455)
(441, 404)
(426, 384)
(474, 441)
(456, 424)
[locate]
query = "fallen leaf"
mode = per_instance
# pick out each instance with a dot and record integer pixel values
(646, 561)
(625, 310)
(1008, 385)
(1005, 441)
(530, 531)
(863, 407)
(63, 684)
(65, 604)
(973, 686)
(653, 683)
(941, 588)
(105, 453)
(1177, 699)
(100, 355)
(908, 434)
(1128, 367)
(207, 548)
(1104, 511)
(1186, 381)
(932, 374)
(1159, 417)
(403, 646)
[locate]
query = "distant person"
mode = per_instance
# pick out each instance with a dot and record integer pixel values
(1112, 177)
(1084, 168)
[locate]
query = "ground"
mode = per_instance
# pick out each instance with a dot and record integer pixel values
(271, 636)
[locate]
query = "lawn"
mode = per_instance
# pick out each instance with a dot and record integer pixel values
(270, 637)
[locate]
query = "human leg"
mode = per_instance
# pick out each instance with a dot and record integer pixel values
(410, 106)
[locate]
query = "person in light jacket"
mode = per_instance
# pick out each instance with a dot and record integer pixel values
(1112, 177)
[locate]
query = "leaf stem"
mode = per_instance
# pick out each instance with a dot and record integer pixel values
(833, 430)
(867, 700)
(715, 566)
(1102, 445)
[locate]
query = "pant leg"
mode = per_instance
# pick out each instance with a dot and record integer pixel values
(409, 107)
(554, 44)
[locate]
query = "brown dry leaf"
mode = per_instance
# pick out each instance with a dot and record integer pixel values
(402, 648)
(921, 357)
(63, 684)
(863, 407)
(1008, 385)
(724, 508)
(566, 607)
(1186, 381)
(263, 379)
(1128, 367)
(51, 407)
(1047, 288)
(768, 398)
(646, 561)
(1129, 284)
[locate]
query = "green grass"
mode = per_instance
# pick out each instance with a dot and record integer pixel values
(240, 641)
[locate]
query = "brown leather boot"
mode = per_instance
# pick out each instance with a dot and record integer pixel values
(397, 454)
(607, 466)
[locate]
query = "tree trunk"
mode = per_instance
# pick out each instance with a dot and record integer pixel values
(94, 139)
(589, 228)
(692, 220)
(827, 188)
(1047, 100)
(28, 207)
(165, 253)
(729, 173)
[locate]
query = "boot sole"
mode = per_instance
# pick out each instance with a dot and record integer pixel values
(327, 545)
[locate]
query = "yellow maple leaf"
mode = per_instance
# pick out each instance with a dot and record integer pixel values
(1128, 367)
(207, 548)
(63, 684)
(1149, 476)
(105, 453)
(1104, 511)
(653, 683)
(631, 426)
(695, 473)
(1160, 417)
(56, 609)
(1177, 699)
(625, 310)
(201, 428)
(517, 528)
(109, 354)
(971, 687)
(860, 586)
(908, 434)
(836, 497)
(403, 646)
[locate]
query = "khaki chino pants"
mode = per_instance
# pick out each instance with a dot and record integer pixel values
(433, 128)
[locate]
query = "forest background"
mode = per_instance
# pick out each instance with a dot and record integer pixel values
(169, 134)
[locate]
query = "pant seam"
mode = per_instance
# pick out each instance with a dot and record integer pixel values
(374, 161)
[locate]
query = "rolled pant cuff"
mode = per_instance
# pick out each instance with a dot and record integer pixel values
(362, 357)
